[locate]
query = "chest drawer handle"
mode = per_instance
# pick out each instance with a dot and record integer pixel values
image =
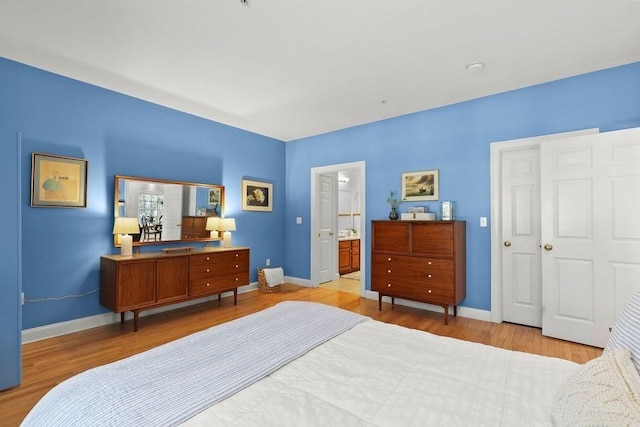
(207, 283)
(237, 255)
(429, 276)
(388, 285)
(207, 270)
(236, 265)
(388, 271)
(388, 259)
(237, 279)
(208, 258)
(429, 291)
(429, 262)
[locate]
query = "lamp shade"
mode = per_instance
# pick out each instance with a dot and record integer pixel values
(126, 225)
(227, 224)
(213, 222)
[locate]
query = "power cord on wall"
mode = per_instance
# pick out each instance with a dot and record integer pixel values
(60, 298)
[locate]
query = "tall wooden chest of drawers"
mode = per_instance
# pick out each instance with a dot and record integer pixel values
(421, 261)
(143, 281)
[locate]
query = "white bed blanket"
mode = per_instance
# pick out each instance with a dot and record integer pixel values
(171, 383)
(378, 374)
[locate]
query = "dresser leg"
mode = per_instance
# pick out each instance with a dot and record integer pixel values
(455, 311)
(446, 314)
(235, 296)
(135, 320)
(393, 302)
(379, 302)
(122, 317)
(219, 297)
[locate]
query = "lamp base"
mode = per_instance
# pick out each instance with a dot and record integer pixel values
(226, 239)
(126, 245)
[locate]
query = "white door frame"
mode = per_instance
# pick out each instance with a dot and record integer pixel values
(497, 148)
(315, 173)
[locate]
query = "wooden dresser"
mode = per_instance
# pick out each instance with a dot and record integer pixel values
(421, 261)
(348, 256)
(143, 281)
(194, 227)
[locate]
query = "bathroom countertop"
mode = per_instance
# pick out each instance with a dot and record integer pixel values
(348, 238)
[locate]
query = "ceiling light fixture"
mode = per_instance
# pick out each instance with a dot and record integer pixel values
(475, 66)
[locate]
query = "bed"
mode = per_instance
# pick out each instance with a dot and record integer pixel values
(302, 364)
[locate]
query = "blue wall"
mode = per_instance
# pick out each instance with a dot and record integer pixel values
(117, 134)
(455, 139)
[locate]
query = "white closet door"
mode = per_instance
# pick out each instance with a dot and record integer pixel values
(521, 294)
(590, 187)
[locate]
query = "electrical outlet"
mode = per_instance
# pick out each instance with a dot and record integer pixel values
(483, 221)
(21, 298)
(298, 220)
(268, 262)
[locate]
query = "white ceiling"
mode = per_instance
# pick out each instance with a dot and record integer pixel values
(291, 69)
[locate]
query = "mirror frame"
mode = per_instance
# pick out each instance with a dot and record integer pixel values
(118, 201)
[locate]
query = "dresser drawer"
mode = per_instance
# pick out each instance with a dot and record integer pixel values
(416, 291)
(202, 259)
(230, 256)
(414, 271)
(213, 285)
(232, 267)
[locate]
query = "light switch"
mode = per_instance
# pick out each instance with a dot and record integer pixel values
(298, 220)
(483, 221)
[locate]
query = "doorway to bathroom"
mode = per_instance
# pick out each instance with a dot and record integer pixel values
(338, 227)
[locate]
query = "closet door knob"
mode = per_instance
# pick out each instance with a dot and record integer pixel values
(507, 243)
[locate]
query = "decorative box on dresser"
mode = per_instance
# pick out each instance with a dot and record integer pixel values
(422, 261)
(143, 281)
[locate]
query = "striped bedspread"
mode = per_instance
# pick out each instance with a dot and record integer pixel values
(171, 383)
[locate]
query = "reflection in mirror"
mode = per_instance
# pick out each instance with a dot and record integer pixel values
(167, 211)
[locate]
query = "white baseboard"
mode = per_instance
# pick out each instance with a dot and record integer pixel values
(298, 281)
(76, 325)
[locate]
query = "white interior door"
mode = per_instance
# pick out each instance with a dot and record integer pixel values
(326, 226)
(522, 292)
(172, 212)
(590, 192)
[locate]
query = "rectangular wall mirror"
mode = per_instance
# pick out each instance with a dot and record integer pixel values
(167, 211)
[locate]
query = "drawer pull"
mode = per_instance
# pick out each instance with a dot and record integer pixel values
(207, 270)
(207, 283)
(237, 255)
(208, 258)
(429, 276)
(388, 271)
(388, 259)
(429, 291)
(236, 265)
(388, 285)
(429, 262)
(237, 279)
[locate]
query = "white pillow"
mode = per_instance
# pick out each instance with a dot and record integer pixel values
(603, 392)
(626, 331)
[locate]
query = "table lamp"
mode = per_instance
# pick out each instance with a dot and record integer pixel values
(124, 227)
(227, 225)
(212, 226)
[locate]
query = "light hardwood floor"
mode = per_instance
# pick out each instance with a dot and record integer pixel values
(49, 362)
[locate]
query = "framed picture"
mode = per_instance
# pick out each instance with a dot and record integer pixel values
(257, 196)
(215, 196)
(421, 185)
(58, 181)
